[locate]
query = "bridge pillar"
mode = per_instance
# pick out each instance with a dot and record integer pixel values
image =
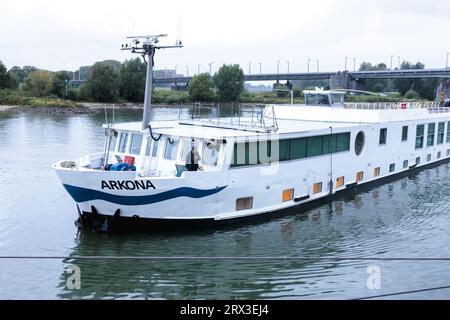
(288, 85)
(343, 80)
(443, 90)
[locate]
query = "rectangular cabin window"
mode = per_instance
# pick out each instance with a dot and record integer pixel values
(136, 143)
(288, 195)
(417, 160)
(405, 164)
(441, 132)
(429, 158)
(404, 133)
(317, 188)
(244, 203)
(210, 153)
(340, 182)
(376, 172)
(448, 152)
(439, 154)
(448, 132)
(430, 134)
(420, 132)
(170, 153)
(298, 148)
(360, 176)
(392, 167)
(383, 136)
(123, 140)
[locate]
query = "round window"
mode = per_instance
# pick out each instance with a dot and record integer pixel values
(359, 143)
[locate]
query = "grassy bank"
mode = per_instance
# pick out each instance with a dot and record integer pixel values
(164, 98)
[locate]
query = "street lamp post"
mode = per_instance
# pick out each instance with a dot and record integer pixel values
(346, 58)
(198, 69)
(176, 66)
(317, 61)
(392, 57)
(398, 62)
(446, 61)
(66, 81)
(249, 67)
(210, 69)
(309, 61)
(260, 68)
(287, 62)
(278, 66)
(187, 71)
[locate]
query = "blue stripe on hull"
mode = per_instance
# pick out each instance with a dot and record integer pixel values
(82, 194)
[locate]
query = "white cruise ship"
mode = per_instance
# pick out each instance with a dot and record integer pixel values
(254, 164)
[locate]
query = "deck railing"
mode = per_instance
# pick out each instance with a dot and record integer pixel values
(433, 107)
(258, 118)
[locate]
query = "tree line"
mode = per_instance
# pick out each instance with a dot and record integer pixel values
(112, 81)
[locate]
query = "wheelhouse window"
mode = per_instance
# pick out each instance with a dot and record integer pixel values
(404, 133)
(136, 143)
(155, 148)
(383, 136)
(317, 99)
(211, 152)
(171, 150)
(187, 147)
(420, 131)
(112, 143)
(430, 134)
(441, 132)
(123, 140)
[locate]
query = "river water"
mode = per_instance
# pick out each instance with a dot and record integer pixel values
(408, 218)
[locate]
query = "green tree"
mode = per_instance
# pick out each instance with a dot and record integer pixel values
(6, 81)
(201, 88)
(375, 85)
(229, 81)
(59, 83)
(132, 80)
(411, 94)
(102, 84)
(39, 83)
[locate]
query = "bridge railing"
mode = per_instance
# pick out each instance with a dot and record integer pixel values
(431, 106)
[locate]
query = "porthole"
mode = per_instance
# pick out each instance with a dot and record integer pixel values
(359, 143)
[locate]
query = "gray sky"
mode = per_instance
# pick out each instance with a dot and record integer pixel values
(58, 35)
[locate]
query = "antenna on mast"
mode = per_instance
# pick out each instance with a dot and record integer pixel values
(146, 46)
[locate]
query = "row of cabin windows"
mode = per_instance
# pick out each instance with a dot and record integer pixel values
(288, 194)
(264, 152)
(431, 129)
(420, 134)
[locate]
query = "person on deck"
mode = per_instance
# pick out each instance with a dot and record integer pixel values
(192, 159)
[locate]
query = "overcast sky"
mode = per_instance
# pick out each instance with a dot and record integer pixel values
(63, 35)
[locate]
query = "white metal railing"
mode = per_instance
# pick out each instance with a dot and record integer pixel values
(253, 118)
(433, 107)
